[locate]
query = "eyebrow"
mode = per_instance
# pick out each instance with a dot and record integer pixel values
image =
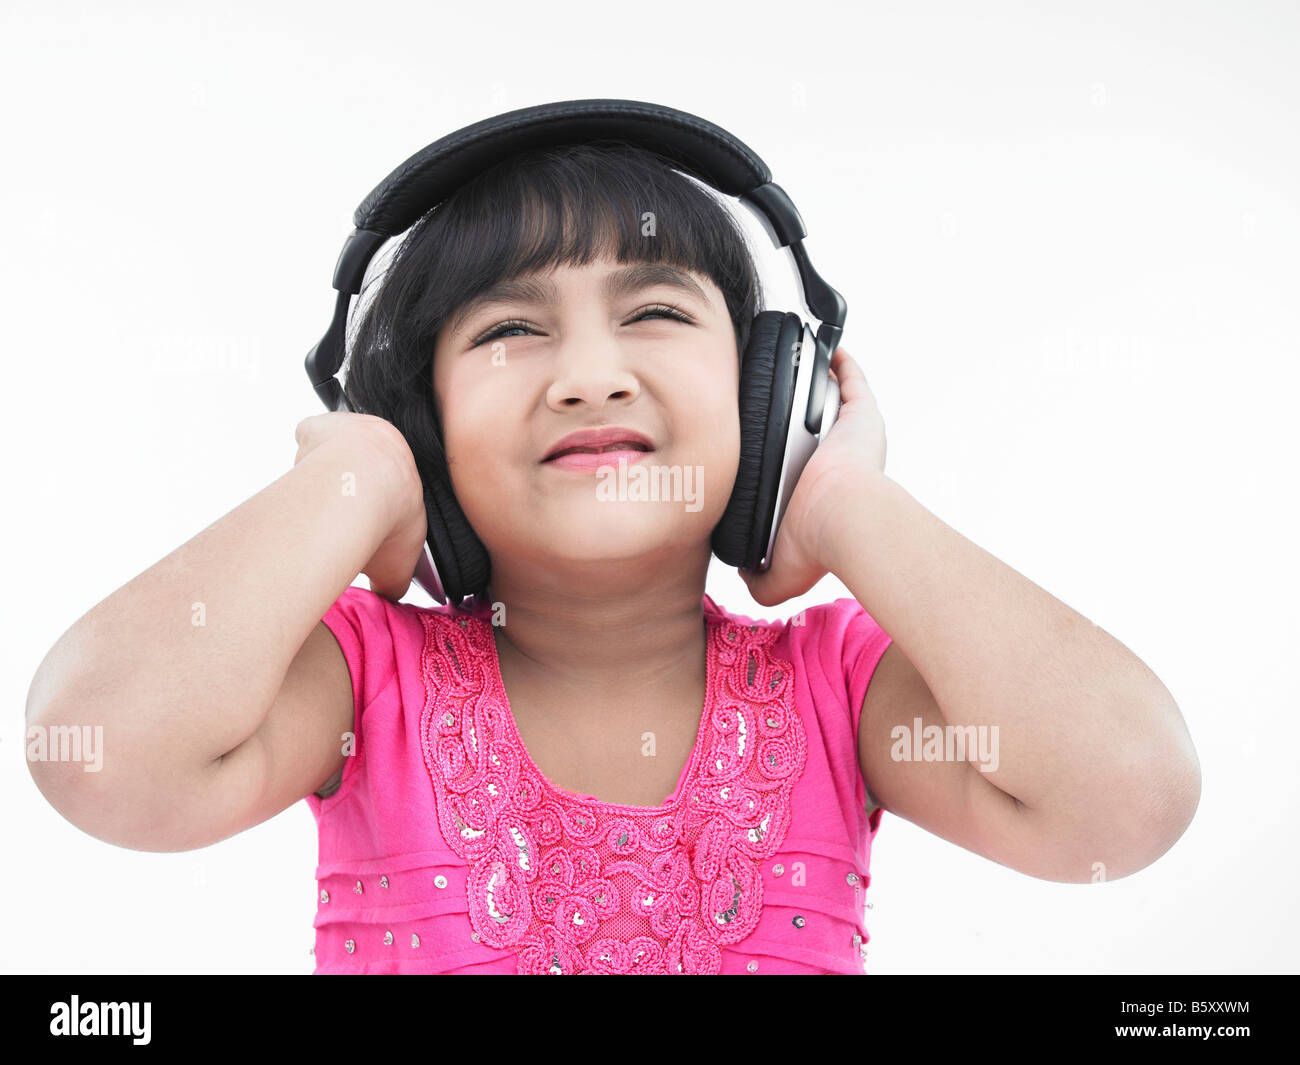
(618, 283)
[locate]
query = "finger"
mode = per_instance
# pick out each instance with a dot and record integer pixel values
(756, 584)
(851, 379)
(765, 586)
(391, 589)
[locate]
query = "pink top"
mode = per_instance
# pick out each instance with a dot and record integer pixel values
(445, 849)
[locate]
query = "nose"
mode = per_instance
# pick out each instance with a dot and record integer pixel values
(590, 370)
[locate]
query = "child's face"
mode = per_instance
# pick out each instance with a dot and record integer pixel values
(583, 360)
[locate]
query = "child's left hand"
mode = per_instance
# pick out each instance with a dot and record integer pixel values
(854, 448)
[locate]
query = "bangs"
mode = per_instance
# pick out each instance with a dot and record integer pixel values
(556, 211)
(530, 213)
(568, 206)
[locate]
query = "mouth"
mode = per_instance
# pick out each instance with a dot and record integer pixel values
(610, 440)
(622, 447)
(588, 460)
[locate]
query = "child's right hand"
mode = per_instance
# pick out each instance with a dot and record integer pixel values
(380, 447)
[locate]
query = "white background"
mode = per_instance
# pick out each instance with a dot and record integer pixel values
(1067, 234)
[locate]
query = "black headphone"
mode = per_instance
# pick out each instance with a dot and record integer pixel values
(785, 367)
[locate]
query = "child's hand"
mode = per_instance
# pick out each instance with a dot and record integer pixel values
(382, 459)
(854, 448)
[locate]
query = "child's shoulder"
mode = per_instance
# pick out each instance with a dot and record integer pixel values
(380, 623)
(816, 614)
(806, 630)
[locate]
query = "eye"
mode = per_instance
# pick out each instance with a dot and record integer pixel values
(661, 309)
(500, 331)
(665, 311)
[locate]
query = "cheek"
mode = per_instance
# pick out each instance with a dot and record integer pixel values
(713, 441)
(472, 436)
(472, 424)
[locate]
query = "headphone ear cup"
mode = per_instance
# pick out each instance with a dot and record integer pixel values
(766, 392)
(464, 565)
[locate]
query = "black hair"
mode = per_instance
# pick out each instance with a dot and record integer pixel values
(531, 212)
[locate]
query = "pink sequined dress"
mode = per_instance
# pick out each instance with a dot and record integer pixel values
(445, 849)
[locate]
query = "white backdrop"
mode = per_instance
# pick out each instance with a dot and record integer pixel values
(1067, 235)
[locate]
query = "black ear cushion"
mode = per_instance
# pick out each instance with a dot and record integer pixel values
(766, 392)
(463, 562)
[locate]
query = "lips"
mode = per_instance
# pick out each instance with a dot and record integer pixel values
(595, 441)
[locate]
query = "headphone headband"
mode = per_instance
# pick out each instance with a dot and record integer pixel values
(690, 143)
(435, 172)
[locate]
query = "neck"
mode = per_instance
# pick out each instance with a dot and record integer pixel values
(637, 638)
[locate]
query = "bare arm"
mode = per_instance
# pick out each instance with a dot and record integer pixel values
(1088, 757)
(182, 664)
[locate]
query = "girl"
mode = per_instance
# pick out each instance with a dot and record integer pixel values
(596, 768)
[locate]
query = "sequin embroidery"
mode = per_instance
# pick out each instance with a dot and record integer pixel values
(573, 885)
